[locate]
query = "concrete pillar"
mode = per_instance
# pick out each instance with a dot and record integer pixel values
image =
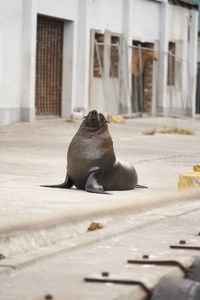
(192, 58)
(83, 57)
(68, 76)
(127, 53)
(28, 60)
(163, 59)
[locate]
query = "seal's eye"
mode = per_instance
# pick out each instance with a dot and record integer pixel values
(102, 118)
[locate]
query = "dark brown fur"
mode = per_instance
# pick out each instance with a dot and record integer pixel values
(92, 146)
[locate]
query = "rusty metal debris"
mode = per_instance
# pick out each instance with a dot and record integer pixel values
(106, 277)
(185, 246)
(160, 262)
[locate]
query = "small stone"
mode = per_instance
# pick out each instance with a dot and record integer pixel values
(182, 242)
(48, 297)
(105, 274)
(2, 256)
(95, 226)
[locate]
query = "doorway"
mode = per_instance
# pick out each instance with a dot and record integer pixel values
(143, 57)
(49, 57)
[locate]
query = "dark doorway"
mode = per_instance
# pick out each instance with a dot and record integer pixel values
(49, 66)
(198, 91)
(143, 55)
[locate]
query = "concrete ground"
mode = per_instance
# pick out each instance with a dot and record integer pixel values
(35, 153)
(36, 223)
(59, 270)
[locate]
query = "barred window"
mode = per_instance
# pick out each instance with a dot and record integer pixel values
(114, 57)
(98, 55)
(171, 63)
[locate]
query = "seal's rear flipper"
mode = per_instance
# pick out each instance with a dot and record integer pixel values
(138, 186)
(67, 184)
(92, 185)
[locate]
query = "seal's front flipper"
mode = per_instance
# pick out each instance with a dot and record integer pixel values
(138, 186)
(67, 184)
(92, 185)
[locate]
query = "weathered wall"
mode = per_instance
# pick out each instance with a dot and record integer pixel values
(182, 30)
(106, 15)
(62, 9)
(11, 23)
(68, 11)
(144, 20)
(18, 22)
(198, 50)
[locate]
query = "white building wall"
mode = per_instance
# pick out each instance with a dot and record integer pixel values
(145, 20)
(11, 25)
(177, 28)
(161, 89)
(67, 10)
(192, 58)
(182, 30)
(18, 32)
(198, 56)
(106, 15)
(28, 61)
(82, 58)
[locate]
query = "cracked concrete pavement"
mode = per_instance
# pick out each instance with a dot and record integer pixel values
(35, 153)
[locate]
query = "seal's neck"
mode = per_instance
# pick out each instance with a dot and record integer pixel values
(96, 127)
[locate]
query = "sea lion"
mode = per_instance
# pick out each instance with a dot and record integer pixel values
(91, 161)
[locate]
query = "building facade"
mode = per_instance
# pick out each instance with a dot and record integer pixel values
(198, 65)
(198, 3)
(65, 57)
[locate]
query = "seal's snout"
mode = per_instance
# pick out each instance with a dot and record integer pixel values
(95, 120)
(94, 112)
(94, 115)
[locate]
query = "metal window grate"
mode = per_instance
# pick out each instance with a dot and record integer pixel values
(49, 66)
(98, 65)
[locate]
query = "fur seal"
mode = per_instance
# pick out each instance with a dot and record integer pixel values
(91, 161)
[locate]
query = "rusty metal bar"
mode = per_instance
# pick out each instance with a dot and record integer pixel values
(185, 246)
(163, 262)
(106, 277)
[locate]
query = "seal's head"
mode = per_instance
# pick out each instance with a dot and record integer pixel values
(95, 120)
